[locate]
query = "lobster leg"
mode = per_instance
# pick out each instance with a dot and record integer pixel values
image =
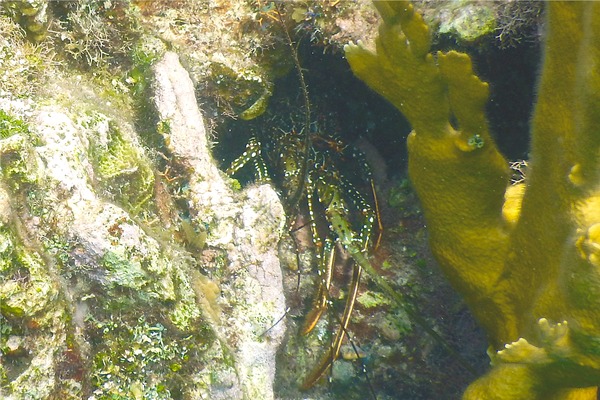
(327, 261)
(328, 358)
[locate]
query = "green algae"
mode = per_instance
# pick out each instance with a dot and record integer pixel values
(373, 299)
(138, 359)
(10, 126)
(26, 289)
(469, 22)
(122, 169)
(18, 163)
(194, 235)
(258, 107)
(122, 272)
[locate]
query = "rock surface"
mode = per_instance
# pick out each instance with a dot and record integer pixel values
(98, 301)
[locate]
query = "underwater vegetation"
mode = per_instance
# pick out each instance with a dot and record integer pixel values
(525, 256)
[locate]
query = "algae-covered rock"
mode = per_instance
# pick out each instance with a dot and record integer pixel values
(468, 21)
(97, 300)
(246, 225)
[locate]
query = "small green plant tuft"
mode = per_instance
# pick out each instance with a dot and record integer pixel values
(10, 126)
(137, 359)
(95, 33)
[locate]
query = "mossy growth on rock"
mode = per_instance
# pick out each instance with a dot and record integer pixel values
(11, 126)
(26, 289)
(31, 309)
(18, 165)
(120, 166)
(122, 272)
(23, 64)
(139, 359)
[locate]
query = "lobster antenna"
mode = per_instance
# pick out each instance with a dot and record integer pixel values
(362, 364)
(295, 198)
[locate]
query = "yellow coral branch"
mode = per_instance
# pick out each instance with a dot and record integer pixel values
(520, 255)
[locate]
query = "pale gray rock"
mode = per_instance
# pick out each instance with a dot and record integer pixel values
(247, 225)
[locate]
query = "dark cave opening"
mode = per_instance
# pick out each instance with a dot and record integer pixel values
(511, 73)
(350, 110)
